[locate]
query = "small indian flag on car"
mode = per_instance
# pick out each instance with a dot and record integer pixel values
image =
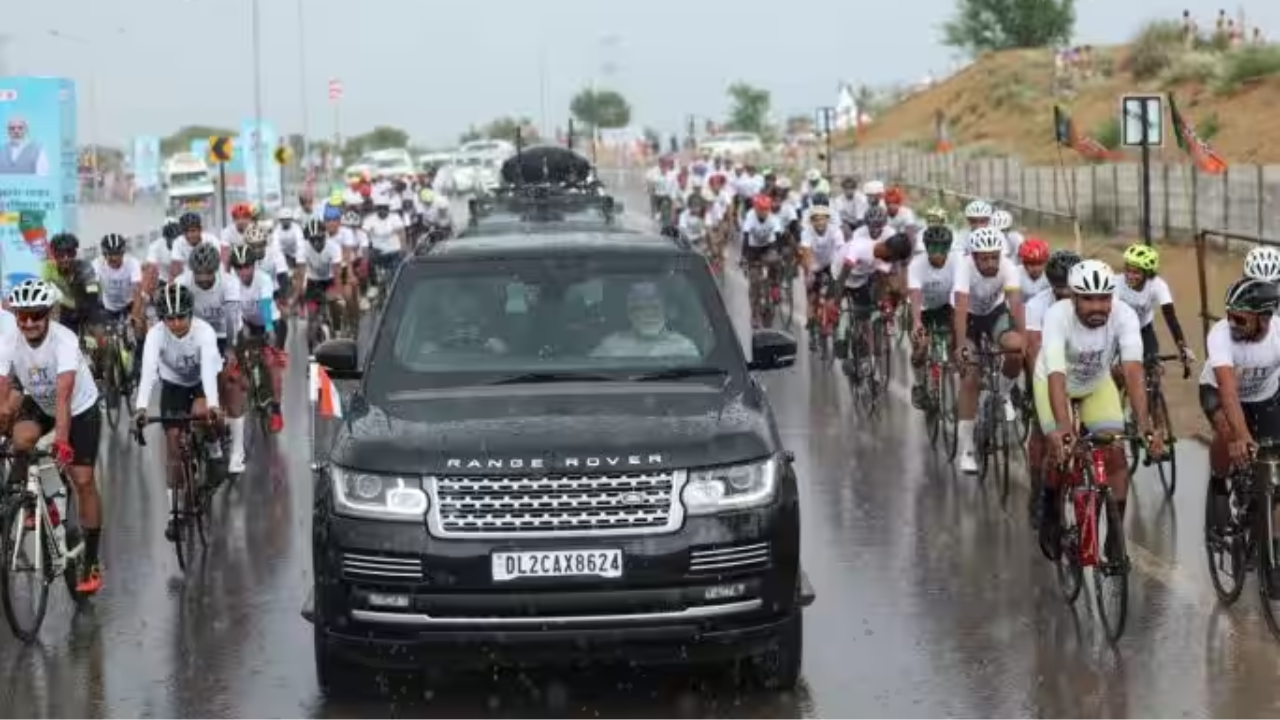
(324, 395)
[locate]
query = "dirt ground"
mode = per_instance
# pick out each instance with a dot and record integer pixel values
(1178, 267)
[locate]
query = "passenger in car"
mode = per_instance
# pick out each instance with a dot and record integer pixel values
(648, 335)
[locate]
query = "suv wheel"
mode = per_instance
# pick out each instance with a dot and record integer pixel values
(331, 670)
(778, 668)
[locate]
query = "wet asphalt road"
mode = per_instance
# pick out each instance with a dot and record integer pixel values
(931, 601)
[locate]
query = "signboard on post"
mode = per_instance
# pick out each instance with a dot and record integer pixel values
(1142, 120)
(220, 150)
(282, 155)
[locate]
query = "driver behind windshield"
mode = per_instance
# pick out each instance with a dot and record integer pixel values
(461, 322)
(648, 335)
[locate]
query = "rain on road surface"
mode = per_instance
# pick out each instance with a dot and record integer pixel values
(931, 601)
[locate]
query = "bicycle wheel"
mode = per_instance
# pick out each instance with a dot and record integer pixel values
(24, 559)
(111, 383)
(1167, 466)
(1003, 439)
(261, 398)
(1264, 536)
(1111, 572)
(884, 355)
(950, 419)
(787, 302)
(933, 402)
(1225, 549)
(1070, 572)
(985, 436)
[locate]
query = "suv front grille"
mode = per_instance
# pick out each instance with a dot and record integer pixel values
(717, 560)
(556, 505)
(386, 568)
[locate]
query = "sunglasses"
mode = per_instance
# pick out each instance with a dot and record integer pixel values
(31, 317)
(65, 255)
(1238, 321)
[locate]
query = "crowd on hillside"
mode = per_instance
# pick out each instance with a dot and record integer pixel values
(1227, 32)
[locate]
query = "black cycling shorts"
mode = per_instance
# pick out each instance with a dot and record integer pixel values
(753, 254)
(316, 291)
(993, 325)
(938, 318)
(177, 399)
(86, 430)
(1262, 417)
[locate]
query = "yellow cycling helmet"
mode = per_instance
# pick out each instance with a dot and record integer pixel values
(335, 198)
(426, 196)
(935, 216)
(1143, 257)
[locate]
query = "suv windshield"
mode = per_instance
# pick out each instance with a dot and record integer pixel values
(452, 324)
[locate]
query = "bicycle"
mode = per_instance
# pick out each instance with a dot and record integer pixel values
(862, 364)
(993, 438)
(823, 325)
(1248, 539)
(783, 289)
(1158, 410)
(116, 380)
(189, 507)
(36, 540)
(1085, 496)
(320, 322)
(254, 361)
(940, 388)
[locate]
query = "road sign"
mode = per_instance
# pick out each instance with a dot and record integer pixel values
(335, 89)
(282, 155)
(219, 149)
(1132, 133)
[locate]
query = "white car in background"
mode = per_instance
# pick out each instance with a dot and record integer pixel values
(734, 144)
(395, 163)
(500, 149)
(470, 174)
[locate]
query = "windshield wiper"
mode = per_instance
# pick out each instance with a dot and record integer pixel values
(680, 373)
(531, 378)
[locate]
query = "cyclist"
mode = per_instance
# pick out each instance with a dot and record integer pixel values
(1033, 254)
(287, 234)
(1142, 289)
(320, 263)
(193, 236)
(216, 299)
(270, 258)
(77, 285)
(977, 214)
(353, 242)
(59, 397)
(901, 217)
(387, 242)
(761, 240)
(1080, 340)
(181, 353)
(120, 279)
(1002, 220)
(851, 205)
(1263, 263)
(865, 263)
(930, 278)
(258, 326)
(1240, 385)
(693, 223)
(242, 218)
(988, 302)
(155, 269)
(821, 243)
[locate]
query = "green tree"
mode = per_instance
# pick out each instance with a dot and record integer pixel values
(749, 111)
(799, 125)
(505, 128)
(598, 108)
(181, 140)
(472, 133)
(985, 25)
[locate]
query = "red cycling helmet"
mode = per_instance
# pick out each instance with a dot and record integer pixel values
(242, 211)
(762, 202)
(1034, 251)
(893, 196)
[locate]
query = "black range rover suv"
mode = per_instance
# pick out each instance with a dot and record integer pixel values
(556, 452)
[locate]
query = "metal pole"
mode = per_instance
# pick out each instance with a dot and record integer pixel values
(542, 90)
(302, 90)
(1146, 172)
(827, 122)
(259, 169)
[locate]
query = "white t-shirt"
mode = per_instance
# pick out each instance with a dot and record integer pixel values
(287, 240)
(320, 265)
(8, 327)
(118, 283)
(858, 255)
(761, 233)
(348, 239)
(1155, 291)
(158, 256)
(850, 209)
(252, 295)
(190, 360)
(1037, 306)
(38, 368)
(182, 248)
(1082, 353)
(986, 294)
(231, 236)
(904, 220)
(1031, 288)
(825, 247)
(216, 305)
(748, 186)
(1012, 242)
(626, 345)
(692, 227)
(1256, 364)
(272, 262)
(382, 232)
(933, 283)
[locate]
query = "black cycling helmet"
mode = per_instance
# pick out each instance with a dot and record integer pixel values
(820, 199)
(876, 215)
(113, 244)
(64, 243)
(849, 183)
(170, 230)
(1059, 265)
(938, 235)
(900, 248)
(174, 300)
(190, 221)
(313, 229)
(204, 259)
(242, 256)
(1252, 296)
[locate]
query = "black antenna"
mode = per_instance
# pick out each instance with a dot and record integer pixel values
(595, 140)
(519, 154)
(570, 138)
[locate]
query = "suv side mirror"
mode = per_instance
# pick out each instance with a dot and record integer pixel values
(770, 350)
(338, 357)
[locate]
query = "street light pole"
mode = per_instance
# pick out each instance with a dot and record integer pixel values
(302, 89)
(259, 151)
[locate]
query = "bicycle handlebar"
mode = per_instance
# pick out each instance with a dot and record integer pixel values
(185, 419)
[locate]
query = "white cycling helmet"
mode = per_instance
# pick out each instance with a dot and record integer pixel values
(784, 183)
(33, 294)
(1263, 263)
(1091, 277)
(813, 176)
(1001, 220)
(873, 187)
(286, 214)
(986, 239)
(978, 209)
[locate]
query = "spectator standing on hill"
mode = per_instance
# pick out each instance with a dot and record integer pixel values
(1189, 30)
(1257, 38)
(1234, 34)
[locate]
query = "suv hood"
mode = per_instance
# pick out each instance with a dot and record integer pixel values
(565, 427)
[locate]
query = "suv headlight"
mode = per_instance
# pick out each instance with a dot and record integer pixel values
(732, 487)
(378, 497)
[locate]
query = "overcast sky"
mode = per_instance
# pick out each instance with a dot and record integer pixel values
(434, 67)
